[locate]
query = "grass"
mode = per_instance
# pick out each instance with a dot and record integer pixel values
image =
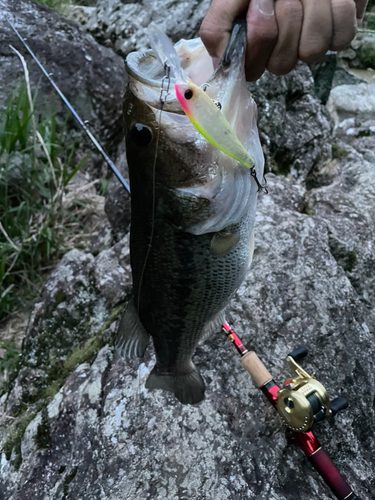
(36, 164)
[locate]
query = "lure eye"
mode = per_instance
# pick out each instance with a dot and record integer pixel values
(141, 135)
(188, 94)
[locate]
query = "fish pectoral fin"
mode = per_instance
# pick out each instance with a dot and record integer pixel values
(223, 242)
(132, 337)
(188, 387)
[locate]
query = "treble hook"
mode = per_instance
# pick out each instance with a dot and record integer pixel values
(260, 187)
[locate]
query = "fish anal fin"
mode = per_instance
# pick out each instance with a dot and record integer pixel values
(213, 326)
(132, 337)
(188, 387)
(223, 242)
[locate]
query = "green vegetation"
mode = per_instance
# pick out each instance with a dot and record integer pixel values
(85, 353)
(43, 437)
(371, 21)
(9, 360)
(338, 152)
(68, 479)
(36, 164)
(14, 438)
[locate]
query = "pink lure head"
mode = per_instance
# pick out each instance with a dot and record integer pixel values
(184, 94)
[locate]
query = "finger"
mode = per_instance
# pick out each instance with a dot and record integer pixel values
(344, 23)
(261, 36)
(361, 7)
(217, 25)
(316, 31)
(284, 57)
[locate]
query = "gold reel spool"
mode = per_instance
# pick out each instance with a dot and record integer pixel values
(303, 400)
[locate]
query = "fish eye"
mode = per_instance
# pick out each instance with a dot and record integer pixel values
(188, 94)
(141, 135)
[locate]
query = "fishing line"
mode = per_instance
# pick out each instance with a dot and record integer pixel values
(163, 96)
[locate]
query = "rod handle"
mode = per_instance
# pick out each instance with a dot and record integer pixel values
(259, 373)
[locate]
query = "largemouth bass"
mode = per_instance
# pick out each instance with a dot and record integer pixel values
(192, 210)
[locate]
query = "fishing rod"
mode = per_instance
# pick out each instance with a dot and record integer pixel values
(301, 402)
(74, 112)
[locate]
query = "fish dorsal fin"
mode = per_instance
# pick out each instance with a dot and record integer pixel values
(165, 51)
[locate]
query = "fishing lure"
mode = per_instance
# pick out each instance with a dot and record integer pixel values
(207, 118)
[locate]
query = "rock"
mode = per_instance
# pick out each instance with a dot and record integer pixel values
(361, 53)
(123, 24)
(80, 300)
(112, 273)
(352, 101)
(92, 77)
(360, 135)
(365, 51)
(83, 15)
(295, 128)
(343, 77)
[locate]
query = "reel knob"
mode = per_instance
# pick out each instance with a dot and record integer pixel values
(338, 404)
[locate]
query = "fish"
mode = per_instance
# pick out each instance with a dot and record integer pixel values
(192, 206)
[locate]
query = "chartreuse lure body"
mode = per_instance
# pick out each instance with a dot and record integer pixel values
(210, 122)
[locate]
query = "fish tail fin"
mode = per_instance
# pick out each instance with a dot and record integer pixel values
(132, 337)
(188, 387)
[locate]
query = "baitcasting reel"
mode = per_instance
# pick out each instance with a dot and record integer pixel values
(303, 400)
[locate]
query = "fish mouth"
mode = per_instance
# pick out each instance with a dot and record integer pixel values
(147, 74)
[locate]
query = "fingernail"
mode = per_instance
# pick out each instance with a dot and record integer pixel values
(265, 7)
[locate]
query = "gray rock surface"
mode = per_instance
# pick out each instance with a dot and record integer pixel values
(91, 76)
(361, 53)
(295, 129)
(123, 24)
(352, 101)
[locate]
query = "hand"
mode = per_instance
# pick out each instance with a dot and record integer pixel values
(281, 32)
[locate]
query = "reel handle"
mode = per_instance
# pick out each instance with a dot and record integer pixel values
(299, 353)
(338, 404)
